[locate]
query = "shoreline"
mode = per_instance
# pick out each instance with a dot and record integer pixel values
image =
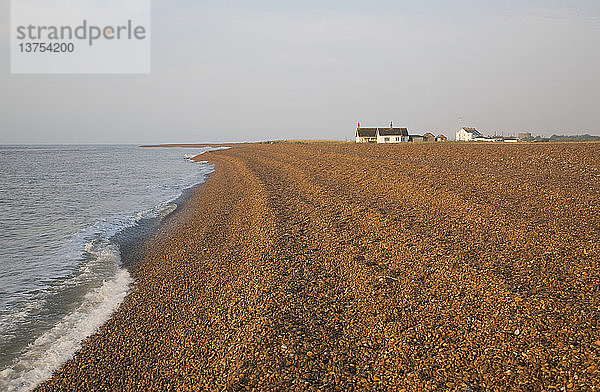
(126, 247)
(346, 266)
(132, 239)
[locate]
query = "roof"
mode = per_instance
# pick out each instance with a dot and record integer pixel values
(372, 132)
(367, 132)
(472, 130)
(393, 131)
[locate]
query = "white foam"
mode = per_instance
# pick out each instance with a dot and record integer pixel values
(168, 209)
(209, 150)
(89, 246)
(48, 352)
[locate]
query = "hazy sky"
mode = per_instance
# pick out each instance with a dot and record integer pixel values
(241, 70)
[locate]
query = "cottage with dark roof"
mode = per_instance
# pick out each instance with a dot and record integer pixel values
(366, 135)
(381, 135)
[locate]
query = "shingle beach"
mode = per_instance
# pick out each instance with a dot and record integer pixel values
(341, 267)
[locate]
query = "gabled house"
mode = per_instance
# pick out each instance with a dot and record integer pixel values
(392, 135)
(429, 137)
(441, 138)
(381, 135)
(467, 134)
(366, 135)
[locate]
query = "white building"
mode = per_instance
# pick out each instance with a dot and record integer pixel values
(381, 135)
(366, 135)
(392, 135)
(467, 134)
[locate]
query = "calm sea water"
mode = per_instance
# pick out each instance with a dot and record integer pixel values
(62, 211)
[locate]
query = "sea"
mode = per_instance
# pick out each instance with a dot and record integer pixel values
(66, 213)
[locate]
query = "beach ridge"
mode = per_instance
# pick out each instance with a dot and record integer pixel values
(353, 267)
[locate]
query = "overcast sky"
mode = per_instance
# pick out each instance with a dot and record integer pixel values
(241, 70)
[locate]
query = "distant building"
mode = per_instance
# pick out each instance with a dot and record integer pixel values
(467, 134)
(429, 137)
(525, 136)
(381, 135)
(392, 135)
(366, 135)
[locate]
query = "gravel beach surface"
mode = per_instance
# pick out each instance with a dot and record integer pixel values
(468, 267)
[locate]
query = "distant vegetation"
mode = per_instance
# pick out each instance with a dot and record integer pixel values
(564, 138)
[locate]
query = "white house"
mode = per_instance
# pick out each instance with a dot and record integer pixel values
(381, 135)
(467, 134)
(392, 135)
(366, 135)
